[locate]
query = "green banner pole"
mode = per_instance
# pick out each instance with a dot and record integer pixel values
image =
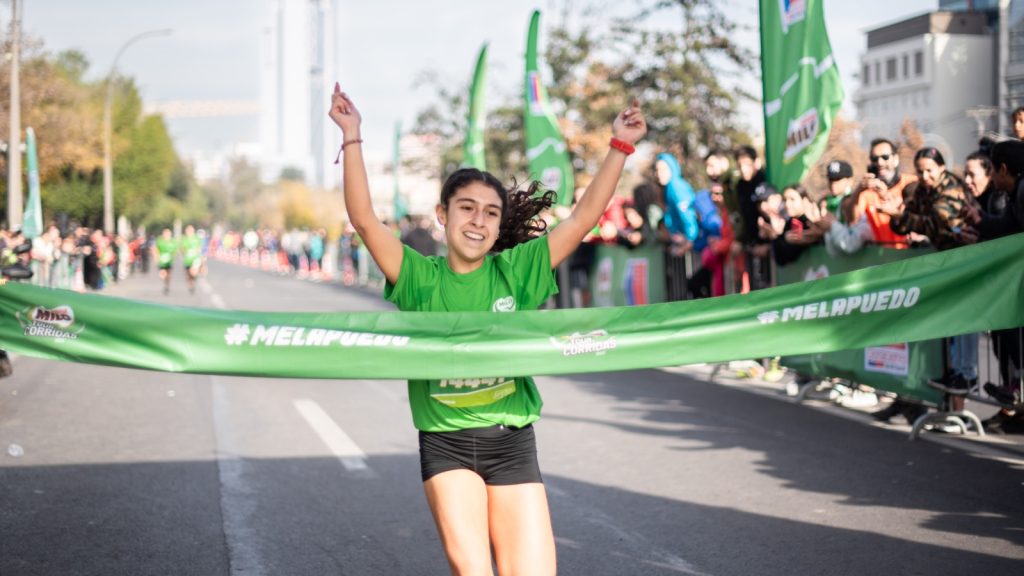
(545, 147)
(398, 203)
(473, 151)
(32, 221)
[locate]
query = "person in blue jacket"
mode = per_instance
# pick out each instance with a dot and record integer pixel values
(680, 212)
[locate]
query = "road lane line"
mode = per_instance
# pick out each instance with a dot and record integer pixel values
(351, 456)
(237, 504)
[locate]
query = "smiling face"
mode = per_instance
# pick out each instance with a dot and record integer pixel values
(888, 162)
(929, 171)
(794, 203)
(471, 219)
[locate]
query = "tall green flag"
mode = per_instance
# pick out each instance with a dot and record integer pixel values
(473, 146)
(802, 87)
(397, 202)
(545, 147)
(32, 221)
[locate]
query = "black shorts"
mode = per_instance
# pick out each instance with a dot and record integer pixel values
(165, 266)
(500, 455)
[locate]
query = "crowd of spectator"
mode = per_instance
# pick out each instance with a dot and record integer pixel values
(732, 234)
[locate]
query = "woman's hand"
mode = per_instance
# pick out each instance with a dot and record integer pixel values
(630, 126)
(893, 206)
(344, 113)
(970, 214)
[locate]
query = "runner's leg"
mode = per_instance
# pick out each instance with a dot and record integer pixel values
(520, 522)
(458, 501)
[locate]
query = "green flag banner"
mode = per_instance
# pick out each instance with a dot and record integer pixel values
(958, 291)
(545, 148)
(802, 87)
(32, 221)
(397, 201)
(473, 146)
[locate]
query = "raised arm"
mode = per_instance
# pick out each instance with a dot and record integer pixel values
(563, 240)
(385, 248)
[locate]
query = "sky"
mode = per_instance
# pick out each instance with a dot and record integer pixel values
(213, 51)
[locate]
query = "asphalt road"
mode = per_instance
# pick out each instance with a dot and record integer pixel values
(113, 471)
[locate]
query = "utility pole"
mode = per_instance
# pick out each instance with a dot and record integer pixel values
(108, 170)
(14, 200)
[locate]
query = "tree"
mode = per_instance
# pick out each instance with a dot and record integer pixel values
(690, 77)
(66, 113)
(843, 144)
(144, 170)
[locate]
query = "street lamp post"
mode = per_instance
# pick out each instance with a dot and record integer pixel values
(14, 203)
(108, 186)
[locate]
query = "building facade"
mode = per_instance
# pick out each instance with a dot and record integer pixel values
(298, 66)
(938, 70)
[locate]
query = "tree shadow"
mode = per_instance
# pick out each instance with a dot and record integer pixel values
(312, 516)
(812, 451)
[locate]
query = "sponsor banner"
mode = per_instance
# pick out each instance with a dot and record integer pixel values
(801, 84)
(902, 368)
(473, 151)
(892, 359)
(926, 297)
(628, 277)
(545, 147)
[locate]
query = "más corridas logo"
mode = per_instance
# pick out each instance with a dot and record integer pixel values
(595, 342)
(54, 322)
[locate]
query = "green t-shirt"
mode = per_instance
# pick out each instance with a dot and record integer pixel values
(190, 249)
(517, 279)
(166, 248)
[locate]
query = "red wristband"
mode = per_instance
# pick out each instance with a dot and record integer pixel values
(622, 146)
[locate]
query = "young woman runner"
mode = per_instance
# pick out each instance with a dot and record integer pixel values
(478, 454)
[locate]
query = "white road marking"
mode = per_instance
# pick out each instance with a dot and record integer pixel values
(351, 456)
(238, 507)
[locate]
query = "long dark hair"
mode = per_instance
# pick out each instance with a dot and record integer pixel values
(520, 209)
(932, 154)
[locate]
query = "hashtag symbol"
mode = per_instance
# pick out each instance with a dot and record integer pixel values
(237, 334)
(768, 317)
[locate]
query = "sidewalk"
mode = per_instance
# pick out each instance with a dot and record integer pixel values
(858, 407)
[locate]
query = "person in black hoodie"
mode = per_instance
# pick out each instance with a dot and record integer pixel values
(756, 249)
(1000, 213)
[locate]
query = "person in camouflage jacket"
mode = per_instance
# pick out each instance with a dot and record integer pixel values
(934, 207)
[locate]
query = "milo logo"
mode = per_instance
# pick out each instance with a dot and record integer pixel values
(56, 323)
(506, 304)
(61, 317)
(801, 133)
